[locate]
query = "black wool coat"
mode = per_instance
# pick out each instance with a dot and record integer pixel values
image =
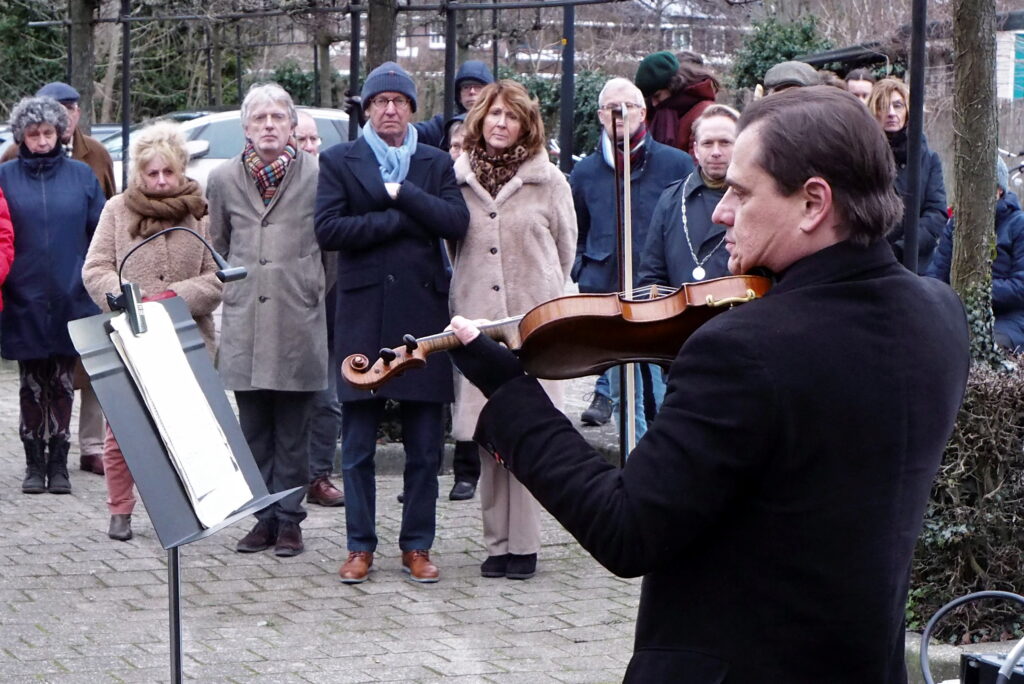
(392, 274)
(773, 505)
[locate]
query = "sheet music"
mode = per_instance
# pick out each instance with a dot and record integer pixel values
(197, 446)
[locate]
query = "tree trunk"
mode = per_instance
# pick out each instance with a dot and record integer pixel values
(380, 35)
(83, 62)
(113, 67)
(974, 174)
(323, 52)
(217, 66)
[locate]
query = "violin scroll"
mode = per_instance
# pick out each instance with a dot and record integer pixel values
(358, 372)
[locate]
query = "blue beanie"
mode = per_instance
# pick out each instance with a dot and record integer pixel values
(1002, 175)
(388, 78)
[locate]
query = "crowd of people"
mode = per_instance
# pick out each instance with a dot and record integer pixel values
(350, 248)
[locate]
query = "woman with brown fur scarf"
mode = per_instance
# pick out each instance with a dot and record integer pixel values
(159, 196)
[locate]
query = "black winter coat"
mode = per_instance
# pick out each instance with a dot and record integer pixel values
(773, 505)
(392, 276)
(932, 208)
(666, 258)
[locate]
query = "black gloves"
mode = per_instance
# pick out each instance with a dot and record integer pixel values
(486, 364)
(354, 107)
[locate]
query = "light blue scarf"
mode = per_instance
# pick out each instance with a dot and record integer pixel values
(393, 161)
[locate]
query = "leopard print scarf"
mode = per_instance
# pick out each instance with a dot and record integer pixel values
(493, 171)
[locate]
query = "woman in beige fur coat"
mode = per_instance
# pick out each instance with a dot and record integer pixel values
(158, 196)
(517, 253)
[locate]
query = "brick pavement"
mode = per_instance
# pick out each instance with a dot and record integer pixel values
(76, 606)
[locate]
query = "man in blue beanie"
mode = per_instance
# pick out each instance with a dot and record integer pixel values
(383, 204)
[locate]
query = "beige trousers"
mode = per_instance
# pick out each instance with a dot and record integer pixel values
(91, 429)
(511, 514)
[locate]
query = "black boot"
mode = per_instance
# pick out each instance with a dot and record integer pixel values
(35, 467)
(466, 468)
(57, 466)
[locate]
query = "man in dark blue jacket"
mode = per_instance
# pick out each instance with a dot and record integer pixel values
(653, 167)
(1007, 269)
(678, 252)
(774, 505)
(384, 202)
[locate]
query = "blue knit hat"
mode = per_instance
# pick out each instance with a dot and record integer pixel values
(388, 78)
(1002, 175)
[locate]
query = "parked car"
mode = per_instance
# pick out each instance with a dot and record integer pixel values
(215, 138)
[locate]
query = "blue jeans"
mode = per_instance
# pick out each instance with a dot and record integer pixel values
(325, 425)
(608, 385)
(422, 435)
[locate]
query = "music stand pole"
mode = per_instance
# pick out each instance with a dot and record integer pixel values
(174, 609)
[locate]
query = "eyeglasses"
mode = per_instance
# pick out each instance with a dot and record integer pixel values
(401, 103)
(617, 106)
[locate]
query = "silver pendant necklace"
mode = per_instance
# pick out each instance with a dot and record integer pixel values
(698, 271)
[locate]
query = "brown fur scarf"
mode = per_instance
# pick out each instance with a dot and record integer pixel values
(159, 210)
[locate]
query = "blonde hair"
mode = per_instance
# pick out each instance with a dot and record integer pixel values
(163, 139)
(531, 134)
(881, 96)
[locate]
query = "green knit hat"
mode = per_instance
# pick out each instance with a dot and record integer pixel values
(655, 72)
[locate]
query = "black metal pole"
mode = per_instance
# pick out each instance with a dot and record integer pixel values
(70, 53)
(174, 610)
(619, 252)
(126, 100)
(568, 98)
(353, 67)
(915, 134)
(494, 42)
(450, 55)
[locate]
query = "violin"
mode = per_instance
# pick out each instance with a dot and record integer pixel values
(577, 335)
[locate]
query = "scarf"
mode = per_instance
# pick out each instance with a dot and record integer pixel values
(267, 176)
(637, 149)
(898, 144)
(393, 161)
(665, 117)
(493, 171)
(155, 210)
(711, 184)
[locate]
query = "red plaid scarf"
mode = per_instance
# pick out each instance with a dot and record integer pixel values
(267, 176)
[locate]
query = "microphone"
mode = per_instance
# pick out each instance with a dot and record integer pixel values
(130, 299)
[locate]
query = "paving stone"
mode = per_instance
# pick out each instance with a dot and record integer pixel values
(76, 606)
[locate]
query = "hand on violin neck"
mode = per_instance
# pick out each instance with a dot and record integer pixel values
(482, 361)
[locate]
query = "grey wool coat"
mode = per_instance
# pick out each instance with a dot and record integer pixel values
(273, 332)
(176, 261)
(517, 253)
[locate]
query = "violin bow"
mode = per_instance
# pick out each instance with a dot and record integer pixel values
(627, 376)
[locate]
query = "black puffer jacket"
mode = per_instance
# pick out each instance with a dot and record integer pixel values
(931, 209)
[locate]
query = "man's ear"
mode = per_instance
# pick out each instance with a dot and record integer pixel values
(817, 209)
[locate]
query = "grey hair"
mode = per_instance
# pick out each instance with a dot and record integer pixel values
(624, 83)
(261, 93)
(31, 111)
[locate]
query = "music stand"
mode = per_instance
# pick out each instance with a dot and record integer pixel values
(159, 485)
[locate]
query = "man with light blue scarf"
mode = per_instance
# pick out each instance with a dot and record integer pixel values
(383, 204)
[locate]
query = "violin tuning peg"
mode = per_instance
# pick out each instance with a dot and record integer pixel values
(388, 355)
(410, 343)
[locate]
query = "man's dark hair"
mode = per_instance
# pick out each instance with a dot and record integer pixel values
(826, 132)
(861, 75)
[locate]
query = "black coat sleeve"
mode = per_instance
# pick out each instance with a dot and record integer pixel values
(713, 435)
(653, 264)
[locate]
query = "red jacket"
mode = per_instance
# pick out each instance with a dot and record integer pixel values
(6, 243)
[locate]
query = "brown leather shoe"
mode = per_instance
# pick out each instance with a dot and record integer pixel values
(289, 540)
(322, 491)
(417, 564)
(260, 537)
(357, 568)
(91, 463)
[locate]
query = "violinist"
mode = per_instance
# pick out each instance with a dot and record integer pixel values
(773, 506)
